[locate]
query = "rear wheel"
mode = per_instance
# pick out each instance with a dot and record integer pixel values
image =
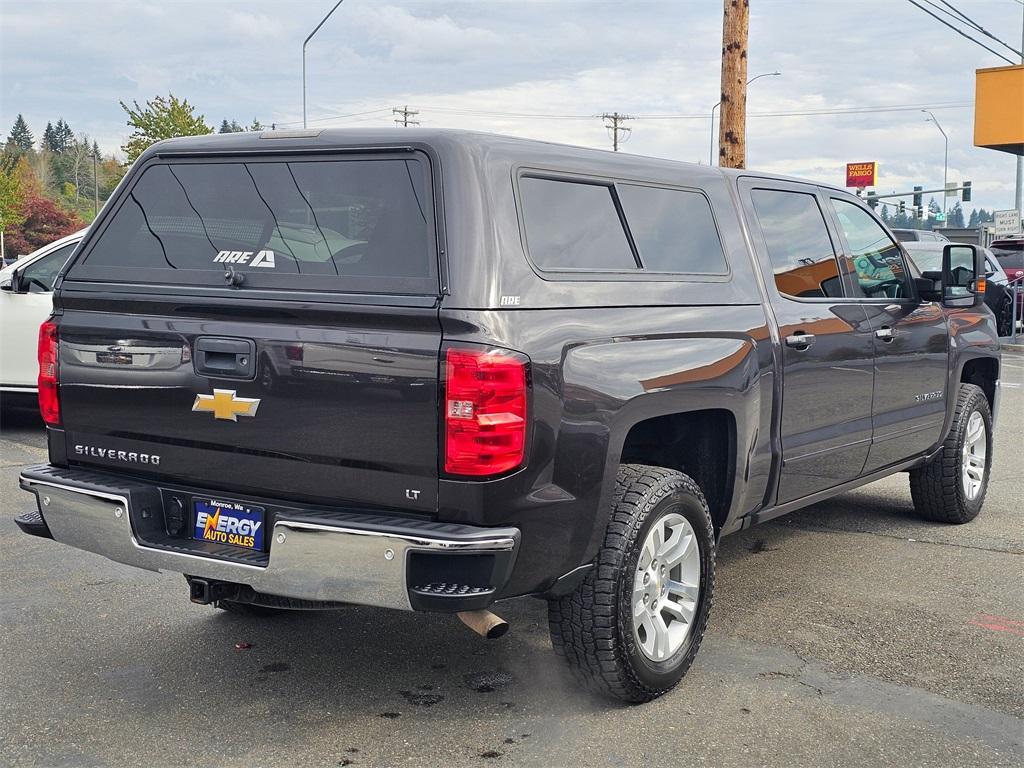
(951, 487)
(632, 628)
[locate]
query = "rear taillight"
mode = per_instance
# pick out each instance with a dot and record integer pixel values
(485, 412)
(49, 373)
(293, 353)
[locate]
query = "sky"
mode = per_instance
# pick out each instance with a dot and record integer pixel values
(538, 69)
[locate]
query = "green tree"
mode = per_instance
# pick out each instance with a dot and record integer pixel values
(955, 218)
(161, 118)
(20, 139)
(256, 126)
(49, 142)
(12, 200)
(62, 137)
(232, 127)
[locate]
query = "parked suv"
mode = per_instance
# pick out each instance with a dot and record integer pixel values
(500, 367)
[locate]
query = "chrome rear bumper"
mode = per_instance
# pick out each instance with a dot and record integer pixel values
(318, 561)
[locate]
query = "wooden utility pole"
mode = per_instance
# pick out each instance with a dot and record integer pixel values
(732, 127)
(614, 124)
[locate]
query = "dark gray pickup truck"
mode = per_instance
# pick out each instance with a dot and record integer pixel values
(431, 370)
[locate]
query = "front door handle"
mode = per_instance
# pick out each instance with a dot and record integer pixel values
(885, 333)
(800, 340)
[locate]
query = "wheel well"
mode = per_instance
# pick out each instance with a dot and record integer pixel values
(699, 443)
(983, 372)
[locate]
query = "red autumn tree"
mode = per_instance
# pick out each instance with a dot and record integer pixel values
(45, 221)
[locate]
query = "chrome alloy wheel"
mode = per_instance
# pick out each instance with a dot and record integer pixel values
(666, 587)
(972, 462)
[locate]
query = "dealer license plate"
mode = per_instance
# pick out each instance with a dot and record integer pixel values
(229, 522)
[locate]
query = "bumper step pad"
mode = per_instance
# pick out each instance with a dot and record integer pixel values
(32, 523)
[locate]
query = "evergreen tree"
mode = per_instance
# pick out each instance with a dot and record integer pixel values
(972, 221)
(256, 125)
(20, 139)
(232, 127)
(62, 137)
(933, 208)
(49, 138)
(956, 216)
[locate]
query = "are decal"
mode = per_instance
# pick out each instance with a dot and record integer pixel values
(263, 259)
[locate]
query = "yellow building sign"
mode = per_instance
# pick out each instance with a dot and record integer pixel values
(999, 109)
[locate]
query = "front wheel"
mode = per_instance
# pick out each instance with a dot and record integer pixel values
(1004, 318)
(951, 487)
(631, 629)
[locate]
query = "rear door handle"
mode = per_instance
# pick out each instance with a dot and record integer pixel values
(800, 340)
(885, 333)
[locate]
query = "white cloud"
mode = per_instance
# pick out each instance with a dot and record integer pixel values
(235, 61)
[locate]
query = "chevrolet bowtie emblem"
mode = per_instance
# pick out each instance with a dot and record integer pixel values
(224, 405)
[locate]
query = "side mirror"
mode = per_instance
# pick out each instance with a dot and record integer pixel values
(963, 275)
(12, 283)
(929, 286)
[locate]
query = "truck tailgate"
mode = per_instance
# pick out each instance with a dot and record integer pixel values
(334, 413)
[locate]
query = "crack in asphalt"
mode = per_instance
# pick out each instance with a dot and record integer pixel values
(913, 540)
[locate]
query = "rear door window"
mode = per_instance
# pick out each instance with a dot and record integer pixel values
(322, 224)
(574, 225)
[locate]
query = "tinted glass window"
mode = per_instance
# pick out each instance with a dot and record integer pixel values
(41, 274)
(877, 259)
(571, 225)
(359, 223)
(798, 243)
(673, 229)
(904, 237)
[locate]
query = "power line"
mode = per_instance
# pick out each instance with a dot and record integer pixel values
(823, 111)
(959, 31)
(971, 22)
(335, 117)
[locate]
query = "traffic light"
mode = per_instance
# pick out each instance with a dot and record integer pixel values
(903, 207)
(967, 192)
(918, 200)
(918, 212)
(872, 199)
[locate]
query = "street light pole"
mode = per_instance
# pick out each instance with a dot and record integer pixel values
(1018, 195)
(304, 44)
(711, 152)
(95, 184)
(945, 163)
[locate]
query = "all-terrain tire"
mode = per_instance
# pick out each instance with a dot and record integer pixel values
(1005, 317)
(937, 488)
(592, 627)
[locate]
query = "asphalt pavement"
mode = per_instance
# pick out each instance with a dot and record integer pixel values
(849, 633)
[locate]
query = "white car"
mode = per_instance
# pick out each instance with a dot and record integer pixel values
(26, 300)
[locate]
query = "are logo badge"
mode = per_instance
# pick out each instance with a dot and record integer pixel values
(224, 404)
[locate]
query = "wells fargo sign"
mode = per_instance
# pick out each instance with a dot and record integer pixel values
(861, 174)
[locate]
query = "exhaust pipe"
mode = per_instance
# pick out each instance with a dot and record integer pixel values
(484, 623)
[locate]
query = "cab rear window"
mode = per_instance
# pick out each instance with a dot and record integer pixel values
(323, 224)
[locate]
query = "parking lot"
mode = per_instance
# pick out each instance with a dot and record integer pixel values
(846, 633)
